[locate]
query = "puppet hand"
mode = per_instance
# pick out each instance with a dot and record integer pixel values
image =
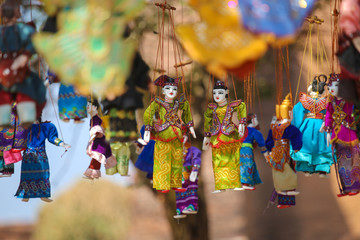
(19, 62)
(206, 143)
(192, 131)
(328, 139)
(356, 42)
(267, 156)
(241, 130)
(147, 136)
(64, 145)
(322, 128)
(193, 175)
(186, 138)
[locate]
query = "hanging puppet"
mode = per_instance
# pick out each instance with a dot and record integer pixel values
(17, 83)
(163, 122)
(281, 135)
(98, 148)
(224, 132)
(248, 170)
(35, 172)
(122, 131)
(12, 142)
(187, 199)
(308, 116)
(341, 132)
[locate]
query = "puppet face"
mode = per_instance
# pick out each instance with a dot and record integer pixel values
(254, 122)
(170, 91)
(220, 95)
(91, 109)
(334, 88)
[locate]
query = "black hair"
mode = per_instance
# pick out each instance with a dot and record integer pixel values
(318, 85)
(9, 9)
(94, 102)
(220, 86)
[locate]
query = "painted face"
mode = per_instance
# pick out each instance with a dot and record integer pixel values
(255, 122)
(334, 88)
(91, 109)
(219, 95)
(170, 91)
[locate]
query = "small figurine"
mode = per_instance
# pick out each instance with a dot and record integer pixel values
(35, 173)
(248, 170)
(163, 120)
(17, 83)
(341, 132)
(187, 198)
(225, 131)
(281, 135)
(98, 148)
(145, 161)
(309, 114)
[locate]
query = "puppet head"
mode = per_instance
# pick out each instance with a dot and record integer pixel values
(317, 86)
(284, 110)
(169, 86)
(93, 107)
(10, 11)
(252, 121)
(220, 92)
(334, 84)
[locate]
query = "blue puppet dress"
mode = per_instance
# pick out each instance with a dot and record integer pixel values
(34, 182)
(314, 156)
(71, 104)
(248, 170)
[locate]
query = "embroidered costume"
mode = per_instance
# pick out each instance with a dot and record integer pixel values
(145, 161)
(35, 173)
(225, 142)
(339, 122)
(98, 149)
(167, 132)
(308, 116)
(248, 169)
(71, 104)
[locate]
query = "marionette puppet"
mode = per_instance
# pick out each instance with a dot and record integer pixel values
(308, 116)
(122, 130)
(248, 170)
(12, 141)
(17, 83)
(35, 172)
(187, 199)
(341, 132)
(98, 148)
(166, 130)
(280, 136)
(225, 127)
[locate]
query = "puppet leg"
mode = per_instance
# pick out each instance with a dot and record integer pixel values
(94, 170)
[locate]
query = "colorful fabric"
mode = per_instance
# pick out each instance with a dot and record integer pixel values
(226, 166)
(71, 104)
(34, 182)
(145, 161)
(248, 170)
(123, 126)
(340, 120)
(6, 169)
(168, 165)
(286, 200)
(285, 180)
(16, 40)
(348, 161)
(121, 151)
(315, 155)
(188, 199)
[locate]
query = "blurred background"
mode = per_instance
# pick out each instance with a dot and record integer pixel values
(117, 207)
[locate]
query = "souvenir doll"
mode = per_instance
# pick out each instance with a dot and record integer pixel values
(163, 120)
(98, 148)
(12, 142)
(281, 135)
(248, 170)
(145, 161)
(308, 116)
(224, 132)
(35, 173)
(187, 199)
(341, 132)
(122, 130)
(17, 83)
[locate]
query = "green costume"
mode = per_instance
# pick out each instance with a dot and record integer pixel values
(167, 131)
(221, 123)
